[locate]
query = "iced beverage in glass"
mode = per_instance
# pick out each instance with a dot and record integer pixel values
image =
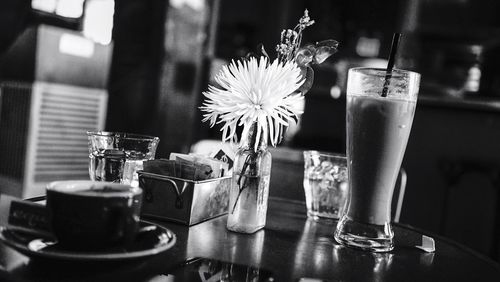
(325, 184)
(378, 127)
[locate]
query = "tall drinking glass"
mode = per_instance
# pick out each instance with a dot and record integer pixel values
(117, 156)
(379, 115)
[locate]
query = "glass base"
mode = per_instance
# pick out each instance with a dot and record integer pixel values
(321, 218)
(364, 236)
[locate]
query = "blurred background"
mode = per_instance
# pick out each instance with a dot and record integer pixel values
(68, 66)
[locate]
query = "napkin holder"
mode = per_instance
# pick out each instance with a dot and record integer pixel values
(181, 200)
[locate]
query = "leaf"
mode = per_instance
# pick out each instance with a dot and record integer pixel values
(305, 55)
(308, 73)
(325, 49)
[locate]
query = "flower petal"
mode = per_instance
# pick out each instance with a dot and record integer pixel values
(254, 90)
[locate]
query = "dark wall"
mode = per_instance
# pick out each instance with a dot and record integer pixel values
(13, 18)
(138, 36)
(453, 166)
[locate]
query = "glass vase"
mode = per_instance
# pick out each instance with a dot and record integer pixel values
(249, 190)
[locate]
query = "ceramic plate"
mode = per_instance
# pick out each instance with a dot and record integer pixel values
(155, 239)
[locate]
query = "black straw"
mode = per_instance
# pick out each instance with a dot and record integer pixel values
(390, 64)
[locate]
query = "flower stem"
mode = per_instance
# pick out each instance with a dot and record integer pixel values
(240, 186)
(249, 165)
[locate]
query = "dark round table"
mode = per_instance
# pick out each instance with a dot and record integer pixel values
(291, 247)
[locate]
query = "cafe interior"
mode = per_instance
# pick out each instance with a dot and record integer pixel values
(144, 67)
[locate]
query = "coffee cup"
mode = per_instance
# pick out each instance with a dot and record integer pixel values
(89, 215)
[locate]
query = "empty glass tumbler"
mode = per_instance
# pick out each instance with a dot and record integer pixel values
(325, 184)
(117, 156)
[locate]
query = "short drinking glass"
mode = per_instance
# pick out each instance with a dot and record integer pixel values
(117, 156)
(379, 116)
(325, 184)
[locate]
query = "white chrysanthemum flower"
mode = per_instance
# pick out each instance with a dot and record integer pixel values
(254, 91)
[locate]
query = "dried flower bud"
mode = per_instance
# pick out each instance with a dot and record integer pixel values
(289, 49)
(305, 21)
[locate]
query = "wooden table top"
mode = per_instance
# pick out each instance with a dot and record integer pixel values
(291, 247)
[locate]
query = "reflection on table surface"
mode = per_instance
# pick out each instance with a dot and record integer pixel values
(211, 270)
(291, 247)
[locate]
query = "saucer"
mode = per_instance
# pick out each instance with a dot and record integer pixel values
(153, 240)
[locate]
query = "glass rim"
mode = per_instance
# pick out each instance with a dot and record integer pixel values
(125, 189)
(125, 135)
(381, 72)
(324, 154)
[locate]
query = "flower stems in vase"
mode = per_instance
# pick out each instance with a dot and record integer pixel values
(250, 185)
